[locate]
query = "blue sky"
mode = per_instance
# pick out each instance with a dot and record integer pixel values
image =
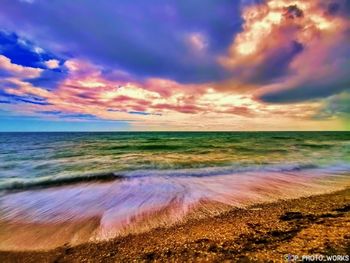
(30, 124)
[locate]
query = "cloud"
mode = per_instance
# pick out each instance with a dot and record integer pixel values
(17, 70)
(197, 42)
(146, 39)
(336, 106)
(292, 50)
(266, 46)
(152, 104)
(179, 65)
(320, 72)
(23, 52)
(52, 63)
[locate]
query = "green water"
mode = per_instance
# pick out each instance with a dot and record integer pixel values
(37, 155)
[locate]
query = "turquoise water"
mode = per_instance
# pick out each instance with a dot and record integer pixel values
(130, 182)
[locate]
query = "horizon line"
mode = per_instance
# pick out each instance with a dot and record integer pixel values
(104, 131)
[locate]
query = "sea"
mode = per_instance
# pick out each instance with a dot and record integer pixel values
(130, 182)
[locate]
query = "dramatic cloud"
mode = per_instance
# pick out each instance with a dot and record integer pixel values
(199, 65)
(146, 38)
(155, 103)
(294, 50)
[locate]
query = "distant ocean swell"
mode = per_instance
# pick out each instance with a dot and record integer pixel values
(141, 200)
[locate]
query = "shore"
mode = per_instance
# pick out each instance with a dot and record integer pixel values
(267, 232)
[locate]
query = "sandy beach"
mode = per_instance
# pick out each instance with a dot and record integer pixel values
(267, 232)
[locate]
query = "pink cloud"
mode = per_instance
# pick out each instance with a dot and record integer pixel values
(18, 70)
(290, 45)
(167, 103)
(197, 42)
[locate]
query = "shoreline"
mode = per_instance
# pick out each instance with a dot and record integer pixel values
(309, 225)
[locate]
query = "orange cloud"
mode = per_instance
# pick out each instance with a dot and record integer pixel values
(166, 104)
(52, 63)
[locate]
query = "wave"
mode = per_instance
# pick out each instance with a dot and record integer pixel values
(26, 184)
(221, 170)
(144, 200)
(44, 182)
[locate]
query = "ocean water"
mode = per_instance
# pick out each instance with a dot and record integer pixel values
(127, 182)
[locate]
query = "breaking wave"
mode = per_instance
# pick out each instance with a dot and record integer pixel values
(44, 182)
(141, 200)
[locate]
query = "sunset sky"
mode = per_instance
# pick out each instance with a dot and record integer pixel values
(139, 65)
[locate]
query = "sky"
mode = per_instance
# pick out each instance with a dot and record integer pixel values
(177, 65)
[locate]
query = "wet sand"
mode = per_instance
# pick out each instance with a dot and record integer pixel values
(265, 232)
